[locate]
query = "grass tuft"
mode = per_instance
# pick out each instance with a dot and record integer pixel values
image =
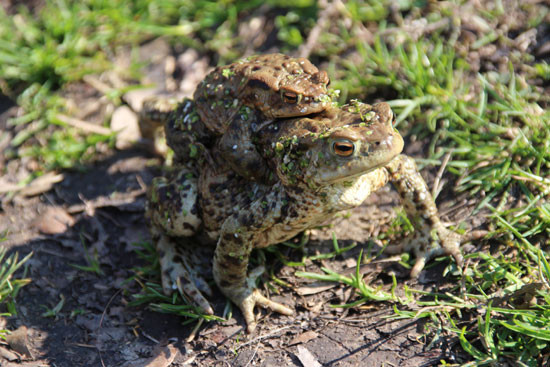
(10, 286)
(151, 294)
(465, 83)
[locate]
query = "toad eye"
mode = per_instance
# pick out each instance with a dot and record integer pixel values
(343, 148)
(290, 97)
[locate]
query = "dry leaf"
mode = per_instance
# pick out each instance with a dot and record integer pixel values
(304, 337)
(164, 358)
(18, 341)
(54, 220)
(7, 355)
(314, 288)
(41, 363)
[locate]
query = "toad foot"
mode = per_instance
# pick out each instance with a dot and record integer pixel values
(428, 243)
(247, 297)
(176, 275)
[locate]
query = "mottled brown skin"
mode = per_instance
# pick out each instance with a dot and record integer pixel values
(322, 165)
(185, 132)
(269, 86)
(235, 101)
(276, 85)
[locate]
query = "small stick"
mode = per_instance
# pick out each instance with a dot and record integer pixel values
(83, 125)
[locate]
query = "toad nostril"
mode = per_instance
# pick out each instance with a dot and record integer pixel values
(384, 143)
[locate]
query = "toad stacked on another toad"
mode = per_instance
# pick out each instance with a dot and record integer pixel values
(270, 86)
(323, 163)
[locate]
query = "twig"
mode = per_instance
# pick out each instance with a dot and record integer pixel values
(83, 345)
(268, 335)
(436, 189)
(97, 84)
(101, 321)
(149, 337)
(83, 125)
(142, 184)
(193, 334)
(103, 201)
(330, 9)
(107, 306)
(37, 186)
(253, 355)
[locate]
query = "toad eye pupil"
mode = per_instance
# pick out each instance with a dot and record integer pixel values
(343, 149)
(290, 97)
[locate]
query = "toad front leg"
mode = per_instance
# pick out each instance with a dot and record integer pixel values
(238, 148)
(430, 238)
(231, 271)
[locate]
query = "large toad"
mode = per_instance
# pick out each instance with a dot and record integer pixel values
(323, 164)
(267, 86)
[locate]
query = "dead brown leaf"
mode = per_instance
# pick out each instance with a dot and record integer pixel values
(18, 341)
(54, 220)
(8, 355)
(163, 358)
(304, 337)
(117, 199)
(314, 288)
(28, 364)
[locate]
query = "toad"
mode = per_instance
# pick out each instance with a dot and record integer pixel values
(230, 98)
(323, 164)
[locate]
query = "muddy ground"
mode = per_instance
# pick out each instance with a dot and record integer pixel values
(98, 213)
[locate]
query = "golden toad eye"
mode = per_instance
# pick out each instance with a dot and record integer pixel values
(290, 97)
(343, 148)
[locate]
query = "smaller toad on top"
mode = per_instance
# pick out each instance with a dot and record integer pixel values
(273, 85)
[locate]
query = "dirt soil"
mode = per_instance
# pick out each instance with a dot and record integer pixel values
(95, 327)
(76, 317)
(99, 212)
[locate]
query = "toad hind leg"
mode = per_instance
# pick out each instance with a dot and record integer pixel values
(173, 214)
(177, 274)
(230, 272)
